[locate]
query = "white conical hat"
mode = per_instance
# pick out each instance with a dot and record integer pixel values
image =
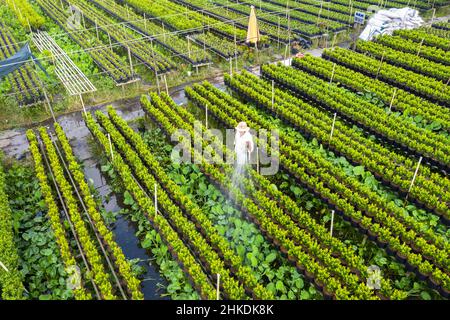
(242, 127)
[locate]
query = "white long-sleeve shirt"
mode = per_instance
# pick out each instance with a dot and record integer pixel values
(243, 145)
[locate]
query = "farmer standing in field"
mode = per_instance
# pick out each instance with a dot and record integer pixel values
(243, 144)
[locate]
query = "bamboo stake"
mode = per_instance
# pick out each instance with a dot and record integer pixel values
(273, 93)
(157, 81)
(82, 103)
(189, 46)
(332, 222)
(332, 126)
(420, 46)
(218, 287)
(381, 62)
(334, 40)
(131, 61)
(414, 177)
(96, 29)
(3, 266)
(206, 116)
(156, 199)
(165, 83)
(145, 23)
(257, 159)
(392, 100)
(49, 105)
(332, 73)
(110, 147)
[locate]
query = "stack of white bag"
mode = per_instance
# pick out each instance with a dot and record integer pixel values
(386, 21)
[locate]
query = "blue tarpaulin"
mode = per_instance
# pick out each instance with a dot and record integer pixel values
(14, 62)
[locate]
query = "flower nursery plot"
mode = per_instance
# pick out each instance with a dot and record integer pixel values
(231, 150)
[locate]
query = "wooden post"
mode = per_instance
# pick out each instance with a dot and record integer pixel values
(381, 62)
(165, 83)
(231, 66)
(334, 40)
(156, 199)
(432, 17)
(273, 93)
(332, 222)
(332, 73)
(49, 105)
(235, 46)
(218, 287)
(3, 266)
(145, 23)
(278, 32)
(110, 44)
(446, 84)
(257, 159)
(29, 26)
(96, 29)
(82, 103)
(131, 61)
(414, 177)
(110, 147)
(332, 126)
(420, 46)
(164, 31)
(157, 80)
(392, 100)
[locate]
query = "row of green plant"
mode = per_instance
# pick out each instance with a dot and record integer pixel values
(181, 18)
(418, 84)
(235, 108)
(406, 45)
(327, 5)
(107, 236)
(403, 101)
(273, 202)
(271, 269)
(272, 26)
(204, 246)
(41, 266)
(360, 111)
(58, 227)
(26, 14)
(299, 11)
(428, 36)
(191, 206)
(302, 243)
(347, 141)
(11, 286)
(444, 25)
(116, 67)
(179, 45)
(405, 60)
(348, 195)
(224, 47)
(99, 274)
(176, 246)
(126, 37)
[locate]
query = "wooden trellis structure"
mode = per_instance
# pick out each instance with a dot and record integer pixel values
(73, 79)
